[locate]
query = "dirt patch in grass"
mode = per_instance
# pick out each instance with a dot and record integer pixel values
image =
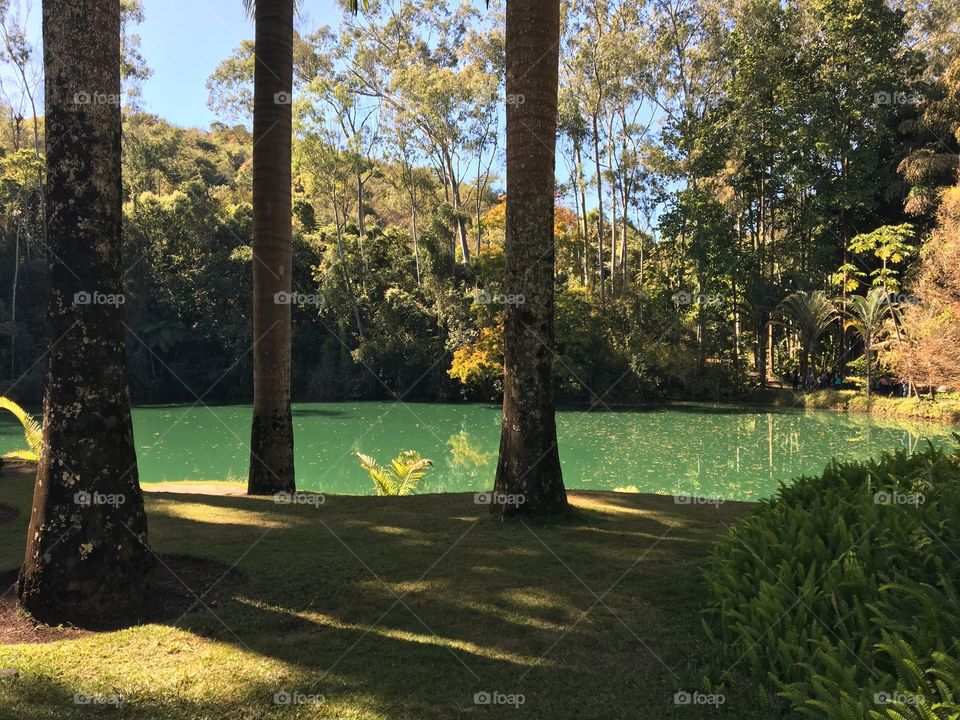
(181, 584)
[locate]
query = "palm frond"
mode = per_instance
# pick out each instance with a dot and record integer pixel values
(382, 481)
(812, 313)
(401, 477)
(32, 431)
(408, 469)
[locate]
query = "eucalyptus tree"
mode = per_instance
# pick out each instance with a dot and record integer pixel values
(325, 173)
(271, 439)
(335, 98)
(87, 555)
(587, 72)
(438, 67)
(529, 479)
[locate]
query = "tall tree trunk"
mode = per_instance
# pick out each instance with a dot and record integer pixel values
(460, 227)
(583, 226)
(271, 441)
(582, 190)
(416, 239)
(613, 213)
(596, 157)
(13, 303)
(87, 555)
(529, 464)
(346, 270)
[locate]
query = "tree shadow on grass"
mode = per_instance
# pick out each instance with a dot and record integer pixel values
(412, 605)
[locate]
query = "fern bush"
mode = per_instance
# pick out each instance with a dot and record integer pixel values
(840, 596)
(401, 477)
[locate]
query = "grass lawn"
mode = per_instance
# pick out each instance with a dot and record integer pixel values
(396, 608)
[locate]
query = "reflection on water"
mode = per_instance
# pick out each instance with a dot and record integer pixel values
(736, 453)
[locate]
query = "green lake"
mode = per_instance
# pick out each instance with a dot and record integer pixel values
(736, 453)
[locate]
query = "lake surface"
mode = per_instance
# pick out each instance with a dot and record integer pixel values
(736, 453)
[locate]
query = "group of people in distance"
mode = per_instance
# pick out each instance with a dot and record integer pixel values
(823, 381)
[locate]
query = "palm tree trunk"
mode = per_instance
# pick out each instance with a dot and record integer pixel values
(271, 441)
(529, 464)
(87, 555)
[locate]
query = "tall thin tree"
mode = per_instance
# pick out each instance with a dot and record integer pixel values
(87, 555)
(529, 480)
(271, 441)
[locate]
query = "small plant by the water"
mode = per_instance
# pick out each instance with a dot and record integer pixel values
(401, 477)
(32, 432)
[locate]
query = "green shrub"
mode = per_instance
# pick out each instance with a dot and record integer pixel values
(401, 477)
(841, 595)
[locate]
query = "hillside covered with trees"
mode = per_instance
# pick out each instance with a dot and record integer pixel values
(714, 160)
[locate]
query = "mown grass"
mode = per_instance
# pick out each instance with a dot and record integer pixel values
(399, 608)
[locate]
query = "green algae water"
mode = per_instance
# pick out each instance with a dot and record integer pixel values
(736, 453)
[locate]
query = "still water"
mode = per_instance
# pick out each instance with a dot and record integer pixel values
(730, 452)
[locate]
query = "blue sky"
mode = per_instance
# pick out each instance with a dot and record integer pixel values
(184, 40)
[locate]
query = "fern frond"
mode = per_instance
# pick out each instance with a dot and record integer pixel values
(32, 430)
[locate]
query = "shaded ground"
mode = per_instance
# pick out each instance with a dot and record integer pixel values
(400, 608)
(178, 582)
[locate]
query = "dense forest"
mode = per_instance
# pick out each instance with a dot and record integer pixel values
(714, 160)
(598, 203)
